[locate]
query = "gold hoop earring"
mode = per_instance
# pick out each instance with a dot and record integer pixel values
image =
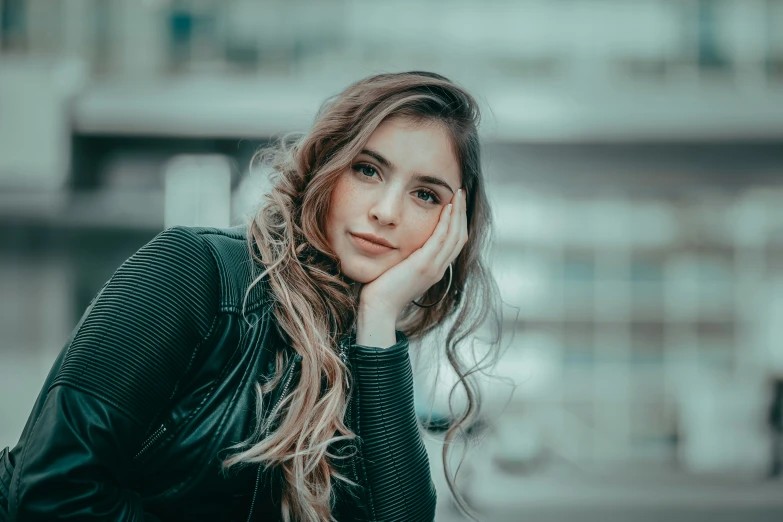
(439, 300)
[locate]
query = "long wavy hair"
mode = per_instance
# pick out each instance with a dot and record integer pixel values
(314, 305)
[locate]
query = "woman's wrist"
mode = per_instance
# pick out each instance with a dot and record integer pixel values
(375, 326)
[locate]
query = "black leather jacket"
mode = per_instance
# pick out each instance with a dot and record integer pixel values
(157, 382)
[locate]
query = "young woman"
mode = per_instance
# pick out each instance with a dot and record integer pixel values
(262, 372)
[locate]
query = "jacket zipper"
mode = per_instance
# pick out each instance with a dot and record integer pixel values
(353, 457)
(150, 440)
(289, 377)
(349, 413)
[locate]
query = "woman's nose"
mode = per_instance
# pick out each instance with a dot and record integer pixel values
(387, 208)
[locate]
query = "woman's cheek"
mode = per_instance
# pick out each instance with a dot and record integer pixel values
(348, 186)
(422, 227)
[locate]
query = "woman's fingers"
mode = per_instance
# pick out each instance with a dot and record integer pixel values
(461, 228)
(447, 239)
(435, 243)
(453, 242)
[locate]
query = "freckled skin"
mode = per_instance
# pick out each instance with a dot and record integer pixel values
(390, 203)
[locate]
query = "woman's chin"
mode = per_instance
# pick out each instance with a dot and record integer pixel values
(361, 274)
(360, 278)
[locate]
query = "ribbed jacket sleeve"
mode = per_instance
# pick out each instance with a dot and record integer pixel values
(392, 455)
(119, 370)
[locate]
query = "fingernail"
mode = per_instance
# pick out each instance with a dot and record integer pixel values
(459, 192)
(448, 208)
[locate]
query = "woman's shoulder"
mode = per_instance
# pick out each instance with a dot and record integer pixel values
(201, 257)
(144, 326)
(176, 266)
(148, 322)
(235, 266)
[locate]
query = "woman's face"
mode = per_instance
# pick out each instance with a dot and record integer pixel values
(394, 190)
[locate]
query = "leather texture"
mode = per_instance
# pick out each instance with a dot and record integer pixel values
(156, 383)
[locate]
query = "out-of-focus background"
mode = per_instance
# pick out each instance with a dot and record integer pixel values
(634, 153)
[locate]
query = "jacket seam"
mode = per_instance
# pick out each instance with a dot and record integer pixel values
(245, 377)
(179, 426)
(198, 347)
(203, 340)
(229, 408)
(228, 305)
(196, 351)
(220, 232)
(223, 372)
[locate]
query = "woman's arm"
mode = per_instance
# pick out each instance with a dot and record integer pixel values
(119, 371)
(394, 461)
(399, 485)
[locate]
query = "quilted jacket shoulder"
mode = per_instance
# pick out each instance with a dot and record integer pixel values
(165, 295)
(236, 269)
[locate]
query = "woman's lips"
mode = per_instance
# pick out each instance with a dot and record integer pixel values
(368, 246)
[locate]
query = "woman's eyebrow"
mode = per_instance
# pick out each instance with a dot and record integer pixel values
(424, 178)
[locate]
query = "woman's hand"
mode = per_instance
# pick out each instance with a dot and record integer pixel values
(410, 278)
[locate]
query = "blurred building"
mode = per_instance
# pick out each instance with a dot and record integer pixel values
(634, 150)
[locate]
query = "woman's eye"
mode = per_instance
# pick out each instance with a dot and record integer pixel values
(365, 169)
(433, 197)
